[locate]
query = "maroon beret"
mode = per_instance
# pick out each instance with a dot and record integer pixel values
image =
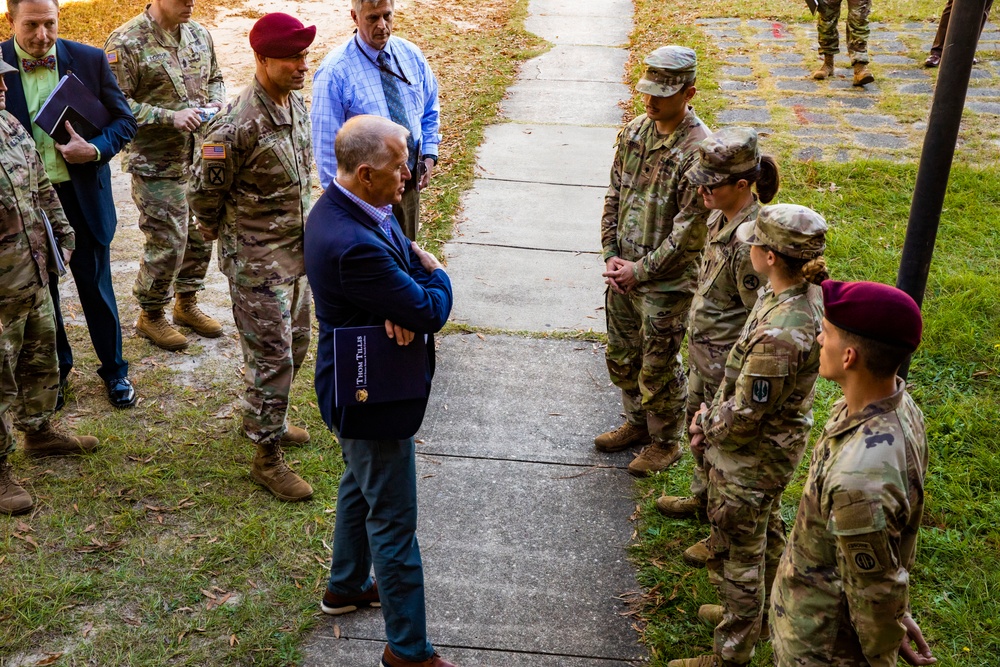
(279, 35)
(874, 310)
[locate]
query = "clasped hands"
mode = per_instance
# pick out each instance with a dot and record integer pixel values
(401, 335)
(619, 275)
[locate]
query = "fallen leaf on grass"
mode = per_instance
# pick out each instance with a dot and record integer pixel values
(51, 660)
(29, 539)
(209, 594)
(90, 528)
(87, 629)
(23, 527)
(233, 641)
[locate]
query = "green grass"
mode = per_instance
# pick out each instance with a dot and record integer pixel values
(159, 549)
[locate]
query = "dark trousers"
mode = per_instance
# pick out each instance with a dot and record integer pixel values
(407, 211)
(377, 525)
(91, 268)
(942, 30)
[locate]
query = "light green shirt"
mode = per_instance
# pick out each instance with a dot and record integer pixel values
(38, 85)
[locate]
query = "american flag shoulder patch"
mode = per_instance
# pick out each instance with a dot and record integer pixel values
(112, 57)
(213, 151)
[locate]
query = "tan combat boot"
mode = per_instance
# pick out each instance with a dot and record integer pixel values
(270, 471)
(825, 70)
(294, 436)
(701, 661)
(13, 498)
(621, 438)
(154, 326)
(655, 458)
(680, 507)
(711, 614)
(51, 441)
(697, 554)
(188, 314)
(862, 75)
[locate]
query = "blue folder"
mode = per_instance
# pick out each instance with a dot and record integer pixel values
(369, 367)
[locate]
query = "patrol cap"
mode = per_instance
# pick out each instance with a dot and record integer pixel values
(6, 68)
(279, 35)
(668, 68)
(875, 311)
(790, 229)
(731, 150)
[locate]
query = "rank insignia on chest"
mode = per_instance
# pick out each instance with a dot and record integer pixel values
(213, 152)
(761, 390)
(112, 57)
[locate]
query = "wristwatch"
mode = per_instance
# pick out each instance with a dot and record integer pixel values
(432, 157)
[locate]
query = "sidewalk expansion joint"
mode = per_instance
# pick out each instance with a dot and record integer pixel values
(548, 654)
(521, 180)
(568, 464)
(520, 247)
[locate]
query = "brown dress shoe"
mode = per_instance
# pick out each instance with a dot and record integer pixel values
(337, 605)
(390, 659)
(933, 60)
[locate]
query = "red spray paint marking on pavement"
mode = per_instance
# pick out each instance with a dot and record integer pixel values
(777, 30)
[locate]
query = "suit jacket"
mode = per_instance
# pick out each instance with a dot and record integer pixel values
(360, 278)
(92, 180)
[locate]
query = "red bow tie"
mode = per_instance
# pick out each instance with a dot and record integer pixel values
(48, 62)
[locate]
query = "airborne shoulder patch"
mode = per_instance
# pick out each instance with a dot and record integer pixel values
(112, 57)
(213, 151)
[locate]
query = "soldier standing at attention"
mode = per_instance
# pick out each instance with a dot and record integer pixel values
(730, 167)
(250, 188)
(166, 67)
(827, 16)
(29, 368)
(754, 434)
(841, 595)
(653, 231)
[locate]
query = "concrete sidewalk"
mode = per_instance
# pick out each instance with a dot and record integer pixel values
(523, 525)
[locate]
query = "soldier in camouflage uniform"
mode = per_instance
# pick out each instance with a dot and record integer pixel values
(29, 369)
(755, 432)
(250, 188)
(827, 17)
(730, 166)
(166, 67)
(653, 231)
(841, 592)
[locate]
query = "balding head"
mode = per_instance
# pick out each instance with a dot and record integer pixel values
(365, 140)
(371, 159)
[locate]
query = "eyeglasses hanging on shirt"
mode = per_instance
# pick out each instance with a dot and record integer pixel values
(383, 68)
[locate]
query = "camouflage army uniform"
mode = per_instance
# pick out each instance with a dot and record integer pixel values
(728, 288)
(827, 17)
(29, 370)
(160, 74)
(842, 585)
(654, 217)
(251, 182)
(756, 433)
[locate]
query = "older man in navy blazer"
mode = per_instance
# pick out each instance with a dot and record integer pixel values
(80, 173)
(364, 272)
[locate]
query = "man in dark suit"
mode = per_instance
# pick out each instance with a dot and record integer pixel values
(80, 173)
(364, 272)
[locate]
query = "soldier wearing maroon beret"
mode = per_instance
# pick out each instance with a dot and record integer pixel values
(250, 189)
(841, 594)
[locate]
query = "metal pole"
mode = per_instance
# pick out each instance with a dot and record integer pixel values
(939, 149)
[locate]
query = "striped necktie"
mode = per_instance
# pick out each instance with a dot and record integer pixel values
(393, 98)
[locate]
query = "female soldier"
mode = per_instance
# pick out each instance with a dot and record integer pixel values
(730, 166)
(754, 434)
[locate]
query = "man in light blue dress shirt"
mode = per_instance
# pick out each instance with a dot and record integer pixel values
(378, 74)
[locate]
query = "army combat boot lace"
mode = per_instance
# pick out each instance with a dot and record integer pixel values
(154, 326)
(13, 498)
(621, 438)
(187, 313)
(270, 471)
(825, 70)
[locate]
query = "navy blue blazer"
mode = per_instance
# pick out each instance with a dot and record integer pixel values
(92, 180)
(359, 278)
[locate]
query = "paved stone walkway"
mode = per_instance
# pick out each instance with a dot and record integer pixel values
(765, 75)
(523, 525)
